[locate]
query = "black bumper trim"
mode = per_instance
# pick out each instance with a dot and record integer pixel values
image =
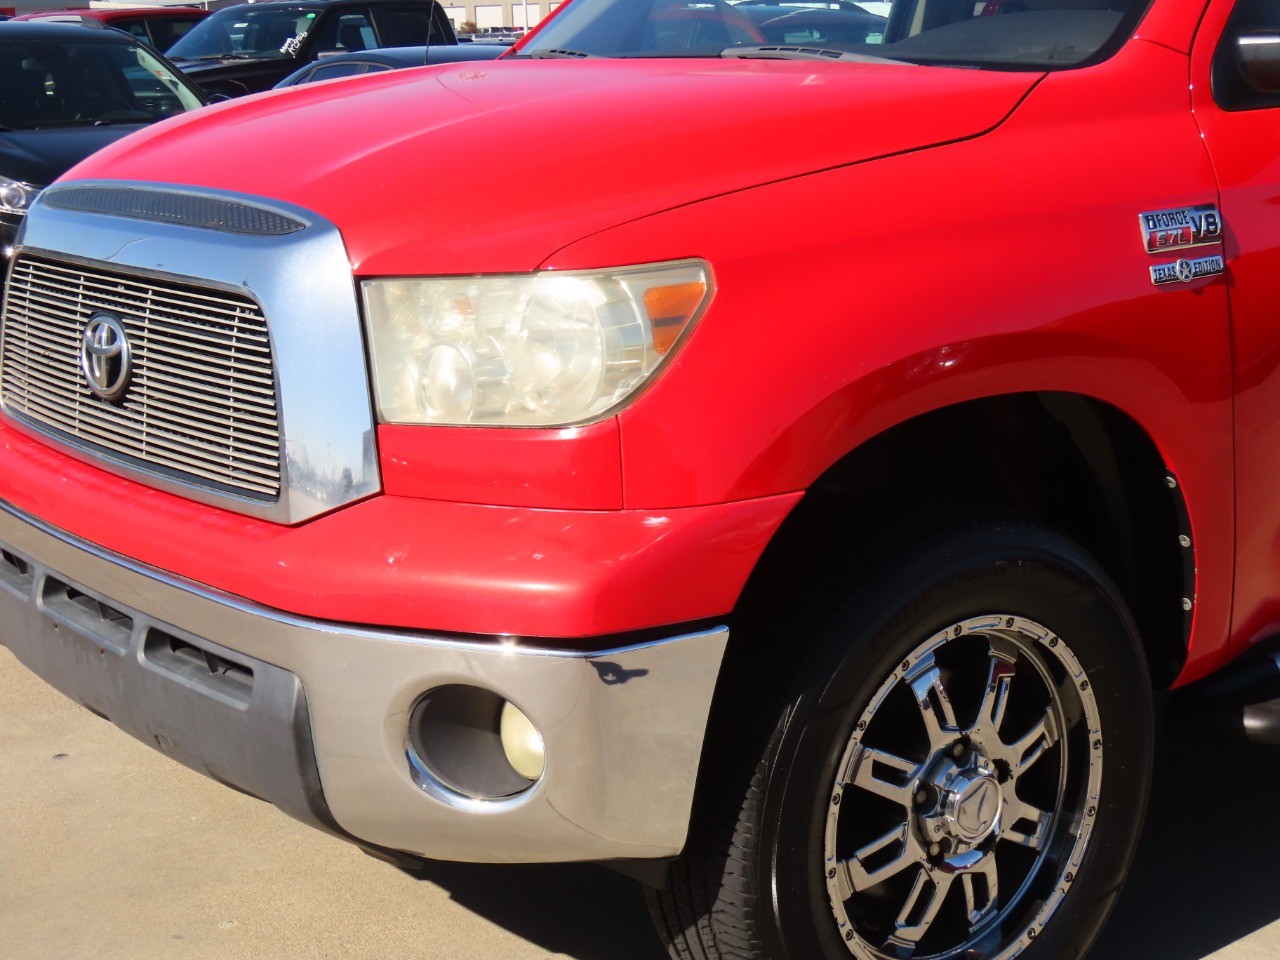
(241, 721)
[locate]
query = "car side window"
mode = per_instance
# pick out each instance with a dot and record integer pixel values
(331, 71)
(136, 28)
(350, 31)
(169, 30)
(150, 94)
(1246, 65)
(406, 26)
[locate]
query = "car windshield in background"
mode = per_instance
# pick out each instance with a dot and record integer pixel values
(1001, 34)
(243, 32)
(55, 84)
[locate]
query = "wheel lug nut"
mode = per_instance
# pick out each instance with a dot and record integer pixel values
(922, 797)
(935, 849)
(958, 750)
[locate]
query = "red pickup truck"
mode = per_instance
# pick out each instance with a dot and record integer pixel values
(792, 495)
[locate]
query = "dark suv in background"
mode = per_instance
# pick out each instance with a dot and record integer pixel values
(66, 91)
(251, 47)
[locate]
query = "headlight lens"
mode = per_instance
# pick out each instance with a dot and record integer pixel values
(545, 349)
(16, 196)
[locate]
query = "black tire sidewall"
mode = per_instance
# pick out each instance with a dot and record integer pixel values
(1018, 572)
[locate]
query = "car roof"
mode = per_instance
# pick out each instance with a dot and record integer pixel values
(294, 4)
(14, 30)
(398, 56)
(116, 13)
(410, 56)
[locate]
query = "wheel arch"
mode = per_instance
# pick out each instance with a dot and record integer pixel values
(1074, 463)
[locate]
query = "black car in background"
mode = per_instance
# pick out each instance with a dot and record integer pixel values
(390, 58)
(66, 91)
(251, 47)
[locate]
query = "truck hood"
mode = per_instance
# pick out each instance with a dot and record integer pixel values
(494, 167)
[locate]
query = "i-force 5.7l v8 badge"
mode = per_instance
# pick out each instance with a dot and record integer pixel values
(1196, 226)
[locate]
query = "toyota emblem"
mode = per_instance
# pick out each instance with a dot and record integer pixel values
(106, 359)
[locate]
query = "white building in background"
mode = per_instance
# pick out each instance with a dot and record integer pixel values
(503, 14)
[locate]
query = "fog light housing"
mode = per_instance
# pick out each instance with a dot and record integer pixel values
(467, 744)
(521, 742)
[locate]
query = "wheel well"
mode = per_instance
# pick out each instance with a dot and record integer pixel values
(1073, 463)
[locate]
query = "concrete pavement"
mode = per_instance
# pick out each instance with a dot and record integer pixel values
(109, 851)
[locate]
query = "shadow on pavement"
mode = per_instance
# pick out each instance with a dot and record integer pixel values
(1194, 889)
(579, 910)
(1197, 885)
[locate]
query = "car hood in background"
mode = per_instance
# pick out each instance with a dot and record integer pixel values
(40, 156)
(495, 166)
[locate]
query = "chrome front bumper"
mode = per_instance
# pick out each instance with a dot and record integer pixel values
(313, 716)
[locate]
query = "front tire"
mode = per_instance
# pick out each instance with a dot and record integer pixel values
(947, 759)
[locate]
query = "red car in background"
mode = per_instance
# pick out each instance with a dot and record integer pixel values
(161, 27)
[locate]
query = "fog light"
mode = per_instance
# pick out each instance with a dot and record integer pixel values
(521, 742)
(468, 744)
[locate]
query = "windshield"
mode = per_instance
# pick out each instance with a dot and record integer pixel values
(1005, 34)
(54, 83)
(246, 32)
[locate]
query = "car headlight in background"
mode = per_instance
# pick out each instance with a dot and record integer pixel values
(543, 349)
(16, 196)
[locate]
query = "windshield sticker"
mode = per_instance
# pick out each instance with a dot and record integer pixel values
(1197, 226)
(1184, 271)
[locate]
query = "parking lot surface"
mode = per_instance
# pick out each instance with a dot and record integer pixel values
(112, 852)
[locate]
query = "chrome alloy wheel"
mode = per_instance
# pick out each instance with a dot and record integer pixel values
(964, 801)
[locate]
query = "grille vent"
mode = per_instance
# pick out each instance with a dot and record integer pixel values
(165, 206)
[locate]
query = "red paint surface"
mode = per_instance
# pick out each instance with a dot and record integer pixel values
(110, 16)
(862, 280)
(593, 151)
(419, 564)
(1034, 278)
(574, 468)
(1245, 150)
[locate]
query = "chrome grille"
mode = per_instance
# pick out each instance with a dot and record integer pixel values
(201, 405)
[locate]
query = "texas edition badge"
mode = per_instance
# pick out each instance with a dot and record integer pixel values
(1184, 271)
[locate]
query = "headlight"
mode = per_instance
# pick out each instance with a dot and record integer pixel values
(544, 349)
(16, 196)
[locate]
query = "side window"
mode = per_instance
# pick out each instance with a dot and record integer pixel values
(167, 31)
(348, 31)
(150, 94)
(1246, 65)
(331, 71)
(135, 28)
(25, 94)
(407, 26)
